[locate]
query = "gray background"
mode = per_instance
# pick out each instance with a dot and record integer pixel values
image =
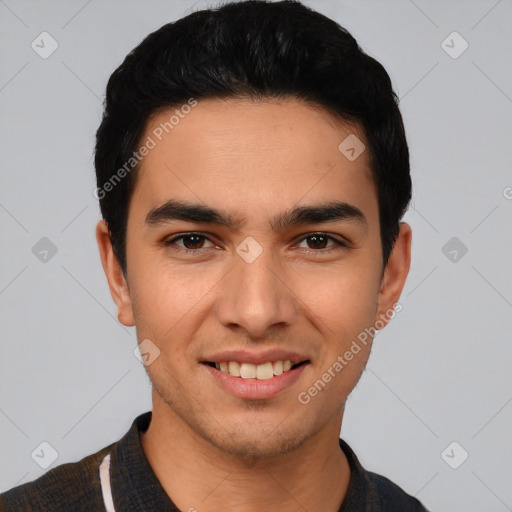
(440, 372)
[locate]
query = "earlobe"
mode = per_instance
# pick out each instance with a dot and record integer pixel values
(395, 275)
(114, 274)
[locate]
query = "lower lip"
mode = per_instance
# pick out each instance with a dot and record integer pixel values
(255, 389)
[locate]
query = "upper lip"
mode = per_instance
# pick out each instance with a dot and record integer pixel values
(259, 357)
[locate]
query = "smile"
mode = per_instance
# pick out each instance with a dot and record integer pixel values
(264, 371)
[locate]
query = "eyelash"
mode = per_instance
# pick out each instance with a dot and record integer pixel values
(339, 244)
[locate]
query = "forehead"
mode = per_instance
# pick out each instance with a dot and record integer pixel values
(245, 154)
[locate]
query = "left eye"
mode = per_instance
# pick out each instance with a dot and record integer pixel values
(188, 239)
(319, 241)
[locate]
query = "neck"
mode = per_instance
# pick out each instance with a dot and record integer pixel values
(197, 475)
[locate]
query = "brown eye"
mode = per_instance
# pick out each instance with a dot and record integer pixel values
(189, 242)
(320, 241)
(193, 241)
(317, 241)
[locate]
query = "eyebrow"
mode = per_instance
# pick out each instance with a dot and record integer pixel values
(312, 214)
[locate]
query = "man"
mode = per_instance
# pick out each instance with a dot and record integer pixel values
(252, 171)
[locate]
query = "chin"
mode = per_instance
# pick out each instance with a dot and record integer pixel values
(258, 448)
(253, 442)
(252, 432)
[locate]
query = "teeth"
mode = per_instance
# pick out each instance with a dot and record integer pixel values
(234, 368)
(247, 371)
(263, 371)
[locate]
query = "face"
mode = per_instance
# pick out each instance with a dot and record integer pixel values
(252, 239)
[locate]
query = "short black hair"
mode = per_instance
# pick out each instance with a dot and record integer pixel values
(258, 50)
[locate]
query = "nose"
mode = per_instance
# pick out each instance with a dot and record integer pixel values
(255, 297)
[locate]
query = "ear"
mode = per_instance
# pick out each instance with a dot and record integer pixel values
(395, 274)
(115, 277)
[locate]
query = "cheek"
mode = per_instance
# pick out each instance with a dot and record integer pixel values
(166, 299)
(343, 297)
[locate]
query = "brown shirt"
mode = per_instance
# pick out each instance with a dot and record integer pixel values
(76, 487)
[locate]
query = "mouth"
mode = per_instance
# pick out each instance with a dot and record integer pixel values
(264, 371)
(262, 375)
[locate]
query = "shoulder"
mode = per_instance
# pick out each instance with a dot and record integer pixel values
(389, 497)
(373, 492)
(72, 486)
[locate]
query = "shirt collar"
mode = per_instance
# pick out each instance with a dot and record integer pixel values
(134, 484)
(136, 487)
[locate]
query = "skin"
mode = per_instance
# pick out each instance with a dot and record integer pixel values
(252, 159)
